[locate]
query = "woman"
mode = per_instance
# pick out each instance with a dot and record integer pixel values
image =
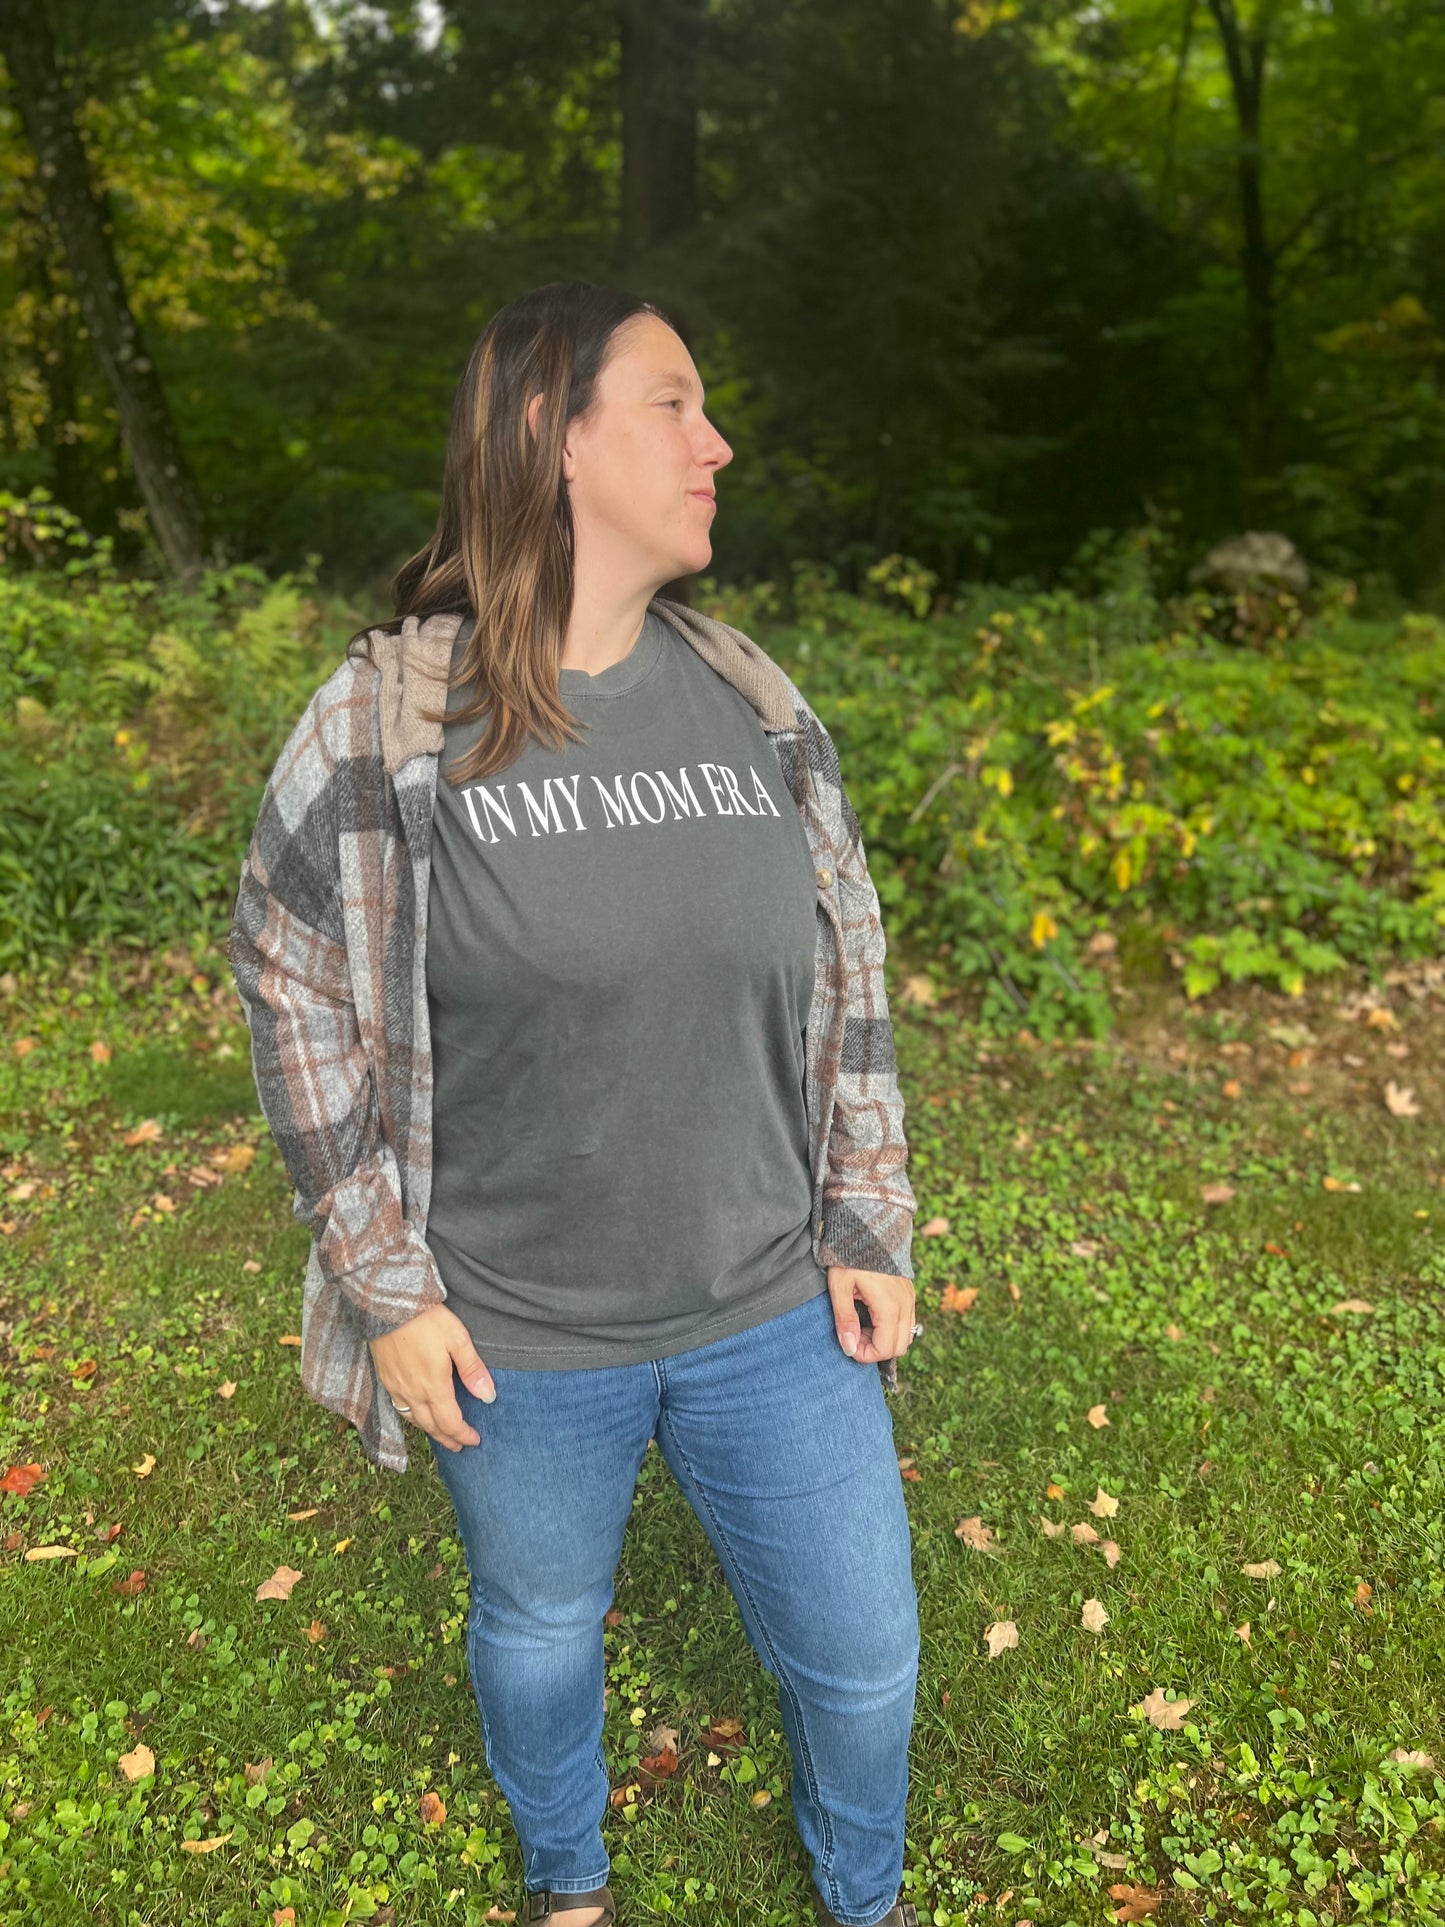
(580, 1062)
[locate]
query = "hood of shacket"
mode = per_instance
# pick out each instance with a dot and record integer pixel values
(416, 662)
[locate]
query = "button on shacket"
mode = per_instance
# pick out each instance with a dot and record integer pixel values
(328, 948)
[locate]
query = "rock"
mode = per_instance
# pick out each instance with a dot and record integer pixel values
(1261, 559)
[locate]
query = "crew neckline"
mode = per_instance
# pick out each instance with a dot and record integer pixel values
(639, 662)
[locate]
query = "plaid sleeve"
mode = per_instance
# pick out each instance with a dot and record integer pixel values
(868, 1202)
(313, 1077)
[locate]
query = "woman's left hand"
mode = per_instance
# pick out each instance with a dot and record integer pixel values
(890, 1306)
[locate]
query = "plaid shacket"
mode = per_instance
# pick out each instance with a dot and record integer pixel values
(328, 947)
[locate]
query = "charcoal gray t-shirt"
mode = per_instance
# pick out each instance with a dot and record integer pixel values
(619, 969)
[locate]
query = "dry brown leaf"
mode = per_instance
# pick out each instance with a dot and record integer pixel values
(1093, 1618)
(1167, 1715)
(1098, 1416)
(227, 1389)
(1382, 1018)
(954, 1299)
(207, 1846)
(1002, 1635)
(1339, 1184)
(235, 1159)
(1052, 1528)
(1110, 1550)
(935, 1228)
(1404, 1756)
(196, 1640)
(139, 1763)
(289, 1338)
(250, 1265)
(1232, 1087)
(1400, 1100)
(1085, 1247)
(1265, 1569)
(1102, 1505)
(100, 1052)
(144, 1133)
(257, 1772)
(1364, 1592)
(146, 1466)
(52, 1552)
(975, 1533)
(316, 1632)
(128, 1588)
(1361, 1306)
(21, 1479)
(1242, 1632)
(1053, 1490)
(1217, 1193)
(1173, 1331)
(279, 1585)
(432, 1809)
(919, 989)
(1135, 1903)
(1084, 1534)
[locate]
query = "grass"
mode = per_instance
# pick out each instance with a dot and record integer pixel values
(1249, 1420)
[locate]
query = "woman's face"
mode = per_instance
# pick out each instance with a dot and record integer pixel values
(641, 470)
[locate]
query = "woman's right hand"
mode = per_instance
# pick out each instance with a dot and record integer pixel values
(414, 1363)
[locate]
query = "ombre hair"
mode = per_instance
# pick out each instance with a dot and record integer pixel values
(505, 540)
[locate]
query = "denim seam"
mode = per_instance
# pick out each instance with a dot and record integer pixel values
(783, 1680)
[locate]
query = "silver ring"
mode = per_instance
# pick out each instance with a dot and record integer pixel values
(916, 1330)
(399, 1408)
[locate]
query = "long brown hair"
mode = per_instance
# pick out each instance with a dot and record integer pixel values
(505, 541)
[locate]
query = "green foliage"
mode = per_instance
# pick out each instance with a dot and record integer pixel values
(1038, 777)
(137, 727)
(1035, 774)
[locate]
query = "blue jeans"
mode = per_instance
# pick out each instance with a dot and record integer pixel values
(783, 1446)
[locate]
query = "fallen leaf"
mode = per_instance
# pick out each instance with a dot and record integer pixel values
(1173, 1331)
(1339, 1184)
(1400, 1100)
(1407, 1757)
(1102, 1505)
(139, 1764)
(100, 1052)
(239, 1157)
(1382, 1018)
(286, 1916)
(256, 1773)
(432, 1809)
(227, 1389)
(1135, 1903)
(1098, 1415)
(22, 1478)
(919, 989)
(1242, 1632)
(250, 1265)
(1217, 1193)
(196, 1640)
(1266, 1569)
(1084, 1534)
(52, 1552)
(1110, 1550)
(975, 1533)
(146, 1466)
(289, 1338)
(316, 1632)
(955, 1300)
(279, 1585)
(144, 1133)
(1002, 1635)
(1167, 1715)
(131, 1586)
(1232, 1087)
(1053, 1490)
(660, 1765)
(310, 1513)
(1052, 1528)
(935, 1228)
(1363, 1594)
(1361, 1306)
(207, 1846)
(1085, 1248)
(1093, 1618)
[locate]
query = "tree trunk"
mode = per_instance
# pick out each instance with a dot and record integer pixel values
(660, 46)
(146, 428)
(1245, 58)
